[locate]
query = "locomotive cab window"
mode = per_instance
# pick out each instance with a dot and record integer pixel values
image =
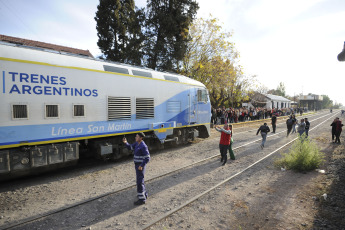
(202, 95)
(52, 111)
(20, 111)
(78, 110)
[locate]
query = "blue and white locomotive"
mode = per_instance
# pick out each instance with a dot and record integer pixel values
(54, 106)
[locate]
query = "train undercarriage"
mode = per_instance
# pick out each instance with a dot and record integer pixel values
(28, 160)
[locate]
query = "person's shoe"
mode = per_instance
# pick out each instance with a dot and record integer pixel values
(139, 202)
(262, 147)
(223, 164)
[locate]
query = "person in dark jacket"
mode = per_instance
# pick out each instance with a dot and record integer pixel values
(289, 123)
(307, 126)
(338, 129)
(264, 129)
(274, 122)
(224, 142)
(334, 126)
(141, 158)
(294, 124)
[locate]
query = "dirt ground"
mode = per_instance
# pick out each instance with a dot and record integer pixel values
(278, 200)
(263, 197)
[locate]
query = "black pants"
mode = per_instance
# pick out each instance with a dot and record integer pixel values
(274, 126)
(333, 135)
(224, 152)
(337, 136)
(289, 129)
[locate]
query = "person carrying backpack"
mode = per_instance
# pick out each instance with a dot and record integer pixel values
(264, 129)
(289, 123)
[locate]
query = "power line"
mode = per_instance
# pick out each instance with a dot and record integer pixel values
(19, 18)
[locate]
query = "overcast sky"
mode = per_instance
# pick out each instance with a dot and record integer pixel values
(295, 42)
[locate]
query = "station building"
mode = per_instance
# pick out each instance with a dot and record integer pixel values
(312, 101)
(270, 101)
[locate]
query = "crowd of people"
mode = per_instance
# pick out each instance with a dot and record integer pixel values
(234, 115)
(303, 126)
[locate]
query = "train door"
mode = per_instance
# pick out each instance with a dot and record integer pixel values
(193, 106)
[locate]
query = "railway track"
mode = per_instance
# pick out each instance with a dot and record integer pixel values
(195, 198)
(47, 214)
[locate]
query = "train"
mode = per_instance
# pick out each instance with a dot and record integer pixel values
(57, 107)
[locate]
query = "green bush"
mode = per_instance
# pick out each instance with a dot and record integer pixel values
(304, 155)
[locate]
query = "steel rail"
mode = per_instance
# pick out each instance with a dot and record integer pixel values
(155, 221)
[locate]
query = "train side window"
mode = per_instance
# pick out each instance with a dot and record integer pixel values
(20, 111)
(145, 108)
(142, 73)
(52, 111)
(115, 69)
(78, 110)
(202, 95)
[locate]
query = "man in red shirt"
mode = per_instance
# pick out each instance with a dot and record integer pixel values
(224, 143)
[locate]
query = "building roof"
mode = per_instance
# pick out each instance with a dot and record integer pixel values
(27, 42)
(277, 98)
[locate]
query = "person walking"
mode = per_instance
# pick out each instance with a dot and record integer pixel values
(294, 124)
(307, 126)
(274, 122)
(264, 129)
(231, 152)
(289, 123)
(301, 127)
(338, 130)
(224, 142)
(141, 158)
(334, 126)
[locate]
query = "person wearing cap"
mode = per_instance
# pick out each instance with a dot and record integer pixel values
(264, 129)
(141, 158)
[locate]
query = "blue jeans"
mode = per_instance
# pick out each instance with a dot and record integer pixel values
(293, 128)
(264, 135)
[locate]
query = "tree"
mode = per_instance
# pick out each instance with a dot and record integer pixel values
(326, 102)
(280, 91)
(166, 30)
(211, 58)
(119, 31)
